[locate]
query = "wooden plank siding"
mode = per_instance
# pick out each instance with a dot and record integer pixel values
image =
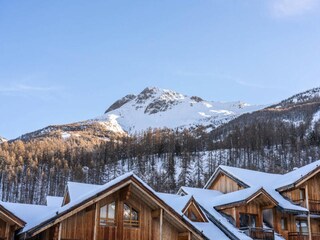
(85, 224)
(8, 226)
(225, 184)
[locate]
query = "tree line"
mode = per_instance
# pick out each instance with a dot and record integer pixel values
(166, 159)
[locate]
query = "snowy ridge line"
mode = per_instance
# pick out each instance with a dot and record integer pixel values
(162, 108)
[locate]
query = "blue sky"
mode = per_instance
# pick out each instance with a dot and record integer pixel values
(65, 61)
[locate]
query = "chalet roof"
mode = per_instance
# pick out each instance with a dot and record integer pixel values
(251, 178)
(291, 178)
(209, 194)
(209, 199)
(254, 181)
(77, 190)
(178, 203)
(245, 177)
(29, 213)
(96, 191)
(53, 201)
(204, 198)
(175, 201)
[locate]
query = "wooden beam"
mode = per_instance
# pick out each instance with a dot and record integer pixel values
(161, 223)
(96, 221)
(307, 205)
(7, 233)
(155, 213)
(11, 217)
(60, 231)
(234, 212)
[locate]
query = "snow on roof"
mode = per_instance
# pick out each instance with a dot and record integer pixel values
(295, 175)
(175, 201)
(53, 201)
(210, 229)
(243, 194)
(256, 178)
(282, 202)
(208, 199)
(250, 177)
(209, 194)
(233, 197)
(76, 189)
(29, 213)
(83, 197)
(203, 198)
(178, 203)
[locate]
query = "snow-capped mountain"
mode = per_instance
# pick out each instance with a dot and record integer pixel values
(152, 108)
(161, 108)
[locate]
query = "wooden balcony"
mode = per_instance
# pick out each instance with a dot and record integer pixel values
(259, 233)
(314, 205)
(302, 236)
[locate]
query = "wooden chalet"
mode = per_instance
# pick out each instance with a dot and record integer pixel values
(125, 209)
(287, 204)
(236, 204)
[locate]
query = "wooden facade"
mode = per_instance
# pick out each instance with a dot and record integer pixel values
(9, 223)
(127, 212)
(130, 210)
(305, 193)
(225, 184)
(291, 225)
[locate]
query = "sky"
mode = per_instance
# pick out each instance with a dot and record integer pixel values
(66, 61)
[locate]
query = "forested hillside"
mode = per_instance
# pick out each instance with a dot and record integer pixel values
(165, 159)
(274, 139)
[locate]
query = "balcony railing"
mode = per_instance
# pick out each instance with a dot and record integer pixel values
(259, 233)
(302, 236)
(314, 205)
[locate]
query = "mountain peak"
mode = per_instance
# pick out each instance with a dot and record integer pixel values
(154, 107)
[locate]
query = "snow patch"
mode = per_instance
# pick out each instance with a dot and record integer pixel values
(65, 135)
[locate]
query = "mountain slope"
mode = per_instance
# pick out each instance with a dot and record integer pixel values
(161, 108)
(152, 108)
(297, 115)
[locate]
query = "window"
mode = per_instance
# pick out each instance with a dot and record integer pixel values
(284, 223)
(302, 226)
(130, 216)
(107, 214)
(247, 220)
(192, 216)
